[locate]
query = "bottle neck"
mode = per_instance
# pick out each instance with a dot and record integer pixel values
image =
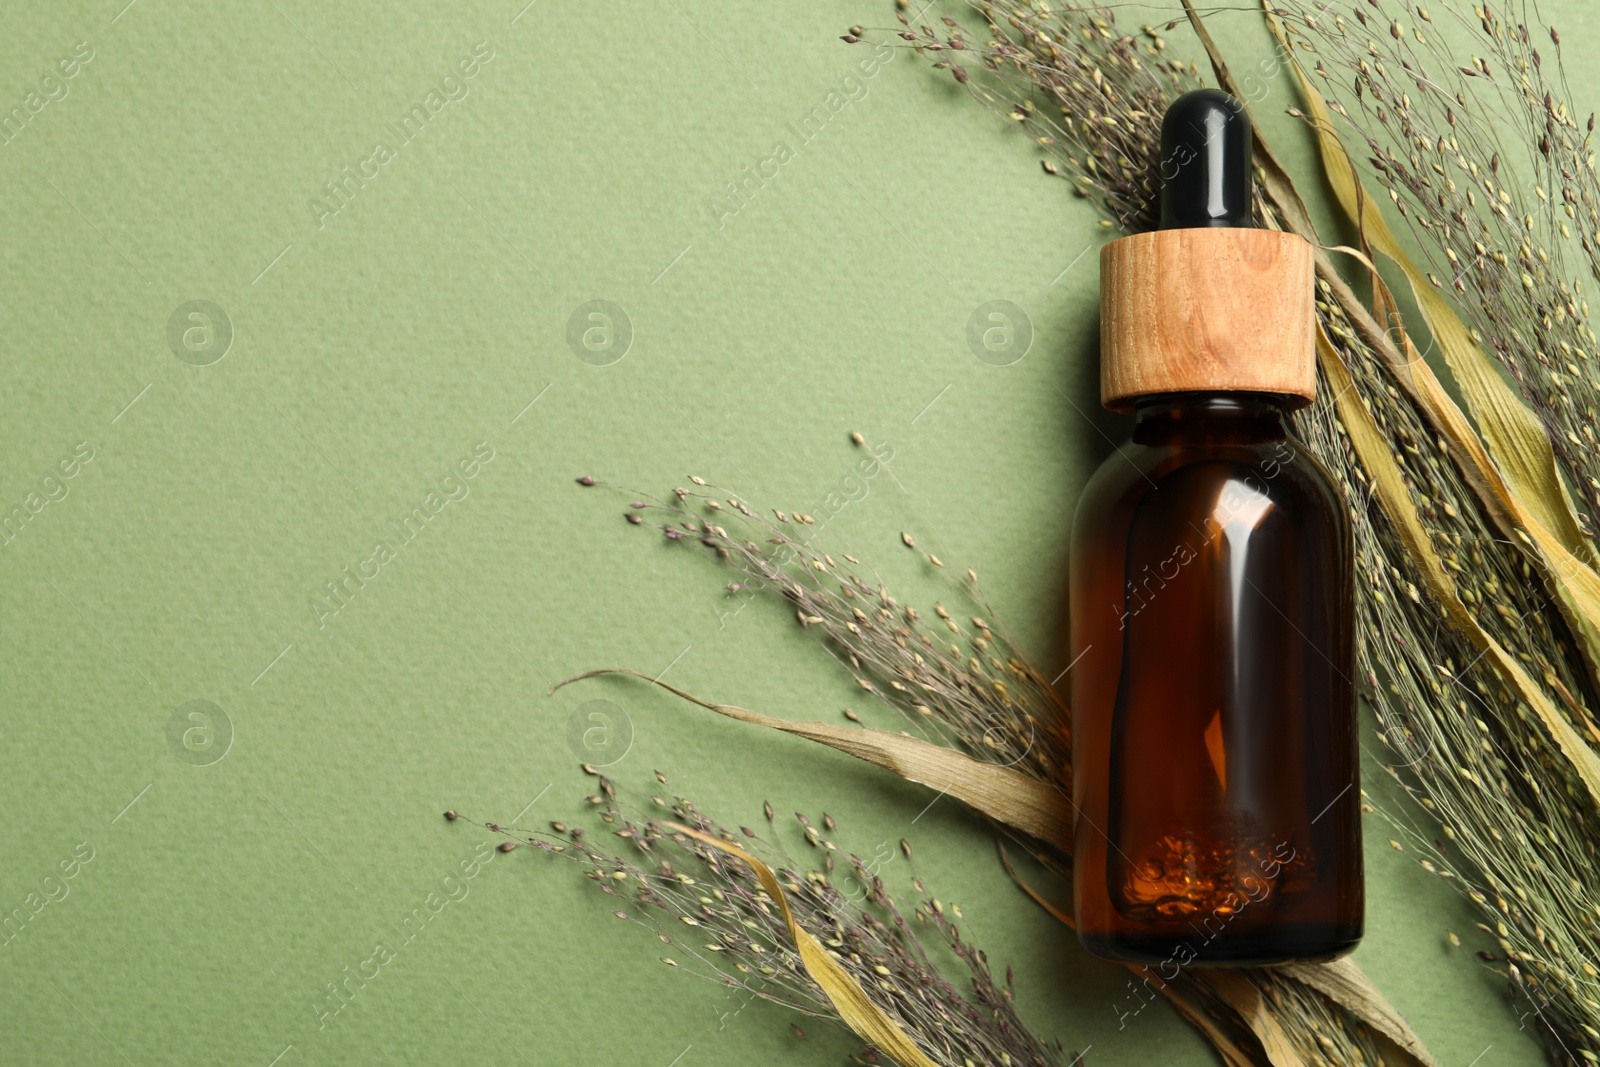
(1167, 418)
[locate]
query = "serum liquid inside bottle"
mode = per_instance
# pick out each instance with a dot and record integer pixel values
(1213, 706)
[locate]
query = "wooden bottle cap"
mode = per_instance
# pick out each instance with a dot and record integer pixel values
(1206, 309)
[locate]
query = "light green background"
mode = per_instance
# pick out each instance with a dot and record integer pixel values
(369, 356)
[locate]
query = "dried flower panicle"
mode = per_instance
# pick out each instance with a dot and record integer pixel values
(1089, 94)
(958, 677)
(1509, 224)
(713, 918)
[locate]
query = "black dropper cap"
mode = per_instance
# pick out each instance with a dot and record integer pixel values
(1205, 162)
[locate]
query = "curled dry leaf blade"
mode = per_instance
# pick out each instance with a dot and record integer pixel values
(1264, 1023)
(1344, 983)
(1001, 793)
(1232, 1052)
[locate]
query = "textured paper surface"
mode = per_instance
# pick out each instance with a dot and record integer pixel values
(377, 353)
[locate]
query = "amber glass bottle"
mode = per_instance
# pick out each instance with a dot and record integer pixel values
(1213, 709)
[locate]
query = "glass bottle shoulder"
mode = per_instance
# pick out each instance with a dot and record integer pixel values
(1277, 472)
